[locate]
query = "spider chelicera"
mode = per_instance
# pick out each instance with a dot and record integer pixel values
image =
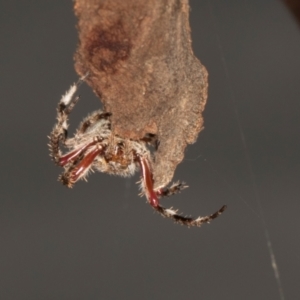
(95, 147)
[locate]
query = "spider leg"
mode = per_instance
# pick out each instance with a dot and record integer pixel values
(60, 130)
(75, 154)
(175, 188)
(148, 183)
(67, 98)
(73, 174)
(152, 197)
(92, 119)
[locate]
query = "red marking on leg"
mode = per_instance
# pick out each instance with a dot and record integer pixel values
(148, 182)
(73, 154)
(85, 163)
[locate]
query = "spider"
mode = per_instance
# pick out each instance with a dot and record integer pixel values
(95, 147)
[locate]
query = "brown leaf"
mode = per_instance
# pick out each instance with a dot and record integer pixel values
(142, 67)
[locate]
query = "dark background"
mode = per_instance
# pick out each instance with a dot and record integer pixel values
(100, 240)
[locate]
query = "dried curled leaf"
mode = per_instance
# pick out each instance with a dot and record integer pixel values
(142, 67)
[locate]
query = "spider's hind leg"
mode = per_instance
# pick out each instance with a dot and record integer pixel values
(175, 188)
(188, 221)
(153, 196)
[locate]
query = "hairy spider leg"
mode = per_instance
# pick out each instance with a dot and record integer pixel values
(66, 105)
(81, 169)
(84, 164)
(92, 119)
(60, 131)
(71, 156)
(68, 96)
(148, 182)
(151, 195)
(175, 188)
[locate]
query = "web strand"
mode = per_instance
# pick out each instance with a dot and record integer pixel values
(249, 164)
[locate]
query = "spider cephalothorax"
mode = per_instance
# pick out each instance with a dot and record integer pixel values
(95, 147)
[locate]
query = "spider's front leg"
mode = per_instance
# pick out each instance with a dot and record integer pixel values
(60, 130)
(80, 170)
(153, 195)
